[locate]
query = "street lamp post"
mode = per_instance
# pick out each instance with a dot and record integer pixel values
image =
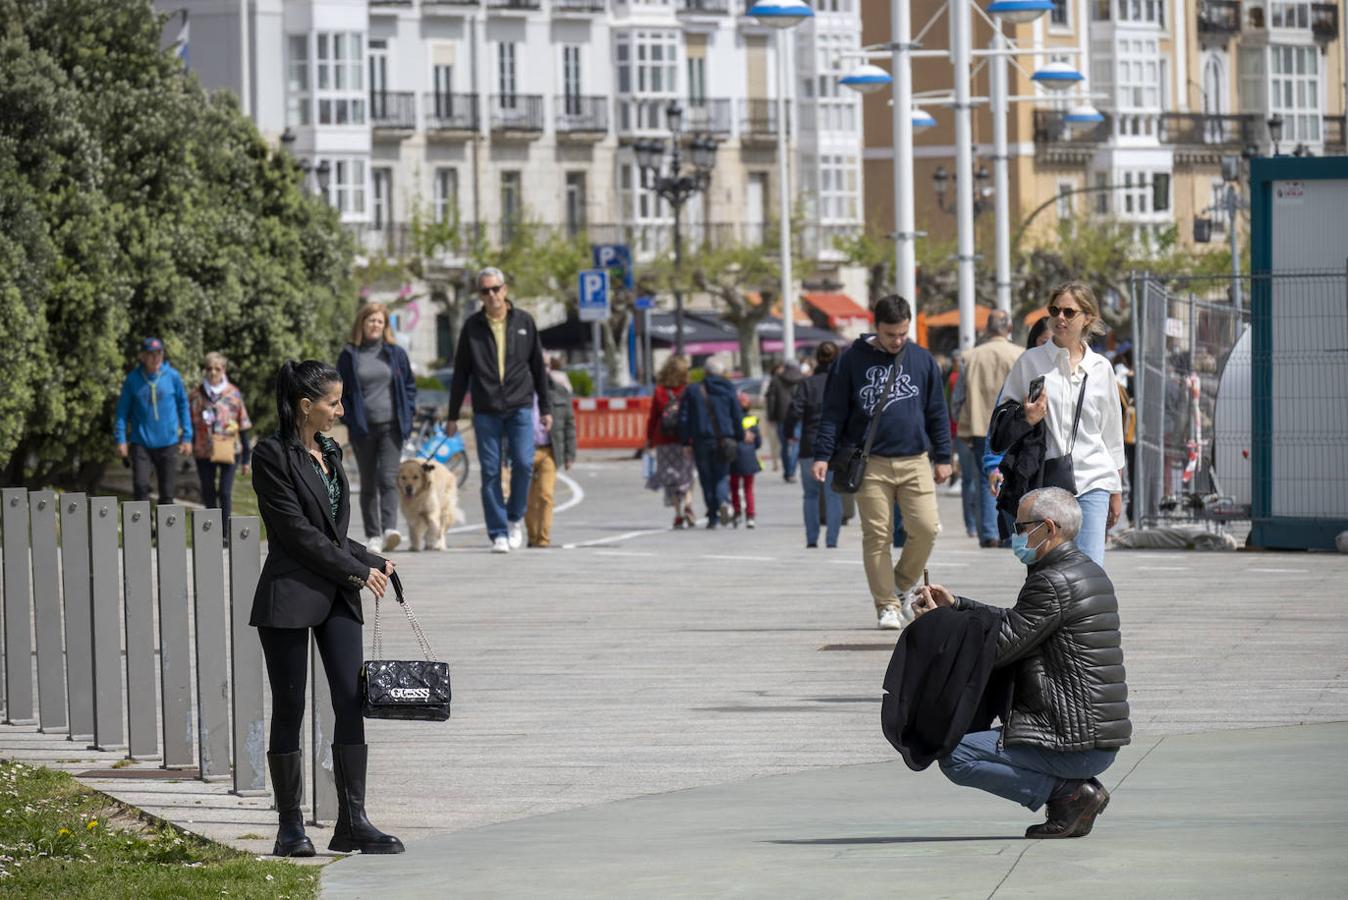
(783, 15)
(676, 186)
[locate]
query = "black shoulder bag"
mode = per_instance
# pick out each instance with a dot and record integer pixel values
(399, 688)
(1058, 472)
(849, 460)
(726, 447)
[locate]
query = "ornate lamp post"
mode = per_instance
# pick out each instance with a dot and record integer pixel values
(676, 184)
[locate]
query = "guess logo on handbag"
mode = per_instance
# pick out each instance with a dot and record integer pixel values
(410, 693)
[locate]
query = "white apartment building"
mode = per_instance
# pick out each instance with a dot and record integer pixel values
(501, 112)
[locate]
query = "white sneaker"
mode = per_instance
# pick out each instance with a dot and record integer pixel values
(516, 535)
(392, 538)
(500, 545)
(889, 619)
(375, 544)
(906, 602)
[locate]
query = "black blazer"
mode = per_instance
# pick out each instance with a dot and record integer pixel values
(310, 563)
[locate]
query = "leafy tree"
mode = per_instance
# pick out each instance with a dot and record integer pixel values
(873, 250)
(135, 203)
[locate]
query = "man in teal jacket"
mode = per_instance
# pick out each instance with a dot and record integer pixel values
(152, 419)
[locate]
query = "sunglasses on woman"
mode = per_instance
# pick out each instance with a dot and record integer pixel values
(1066, 312)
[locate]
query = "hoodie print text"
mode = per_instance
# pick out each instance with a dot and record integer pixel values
(876, 376)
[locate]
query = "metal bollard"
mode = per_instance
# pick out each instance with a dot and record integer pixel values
(246, 664)
(18, 619)
(324, 723)
(105, 628)
(175, 639)
(74, 515)
(208, 569)
(51, 690)
(138, 610)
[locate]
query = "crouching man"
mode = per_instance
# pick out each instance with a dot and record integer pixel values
(1069, 709)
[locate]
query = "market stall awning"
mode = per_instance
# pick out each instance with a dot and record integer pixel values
(770, 335)
(951, 318)
(840, 310)
(701, 334)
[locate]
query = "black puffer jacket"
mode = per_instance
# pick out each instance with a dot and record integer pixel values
(1063, 638)
(807, 405)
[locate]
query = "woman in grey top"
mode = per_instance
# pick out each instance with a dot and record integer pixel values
(379, 397)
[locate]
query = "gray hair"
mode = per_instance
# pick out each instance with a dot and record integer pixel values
(1058, 505)
(214, 357)
(999, 322)
(490, 272)
(714, 367)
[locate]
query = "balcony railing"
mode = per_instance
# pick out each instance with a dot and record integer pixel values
(384, 239)
(451, 112)
(1335, 134)
(1202, 129)
(706, 7)
(1049, 128)
(433, 4)
(705, 116)
(393, 110)
(579, 6)
(517, 112)
(581, 115)
(1218, 17)
(515, 4)
(758, 118)
(1325, 21)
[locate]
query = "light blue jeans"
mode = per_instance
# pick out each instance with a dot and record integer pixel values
(1026, 775)
(832, 505)
(969, 499)
(1094, 513)
(515, 429)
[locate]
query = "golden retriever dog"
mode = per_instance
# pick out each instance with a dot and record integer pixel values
(429, 494)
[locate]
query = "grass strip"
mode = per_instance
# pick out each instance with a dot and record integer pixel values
(58, 838)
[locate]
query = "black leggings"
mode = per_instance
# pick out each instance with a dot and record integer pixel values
(287, 653)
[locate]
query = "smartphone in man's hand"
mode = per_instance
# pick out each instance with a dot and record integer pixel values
(1036, 388)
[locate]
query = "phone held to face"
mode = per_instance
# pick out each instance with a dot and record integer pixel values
(1036, 388)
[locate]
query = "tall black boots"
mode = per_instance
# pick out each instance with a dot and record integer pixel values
(353, 830)
(287, 779)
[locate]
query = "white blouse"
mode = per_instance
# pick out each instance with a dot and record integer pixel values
(1098, 453)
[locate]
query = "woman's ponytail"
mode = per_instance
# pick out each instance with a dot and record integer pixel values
(309, 379)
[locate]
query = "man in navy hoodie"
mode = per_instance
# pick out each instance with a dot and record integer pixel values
(709, 413)
(153, 408)
(913, 433)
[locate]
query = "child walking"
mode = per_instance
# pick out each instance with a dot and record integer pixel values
(746, 466)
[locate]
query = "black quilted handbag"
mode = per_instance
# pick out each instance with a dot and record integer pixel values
(404, 688)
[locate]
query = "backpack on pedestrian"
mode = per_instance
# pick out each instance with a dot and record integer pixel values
(669, 417)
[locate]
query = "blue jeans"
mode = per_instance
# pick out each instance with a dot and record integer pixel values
(987, 504)
(832, 505)
(790, 449)
(1094, 513)
(968, 485)
(516, 429)
(713, 474)
(1024, 774)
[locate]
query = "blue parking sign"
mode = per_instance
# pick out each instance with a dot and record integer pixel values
(645, 301)
(593, 295)
(614, 256)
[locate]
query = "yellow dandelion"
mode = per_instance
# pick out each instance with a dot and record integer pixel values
(92, 824)
(62, 832)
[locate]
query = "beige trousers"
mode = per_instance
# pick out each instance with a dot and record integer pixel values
(538, 514)
(908, 481)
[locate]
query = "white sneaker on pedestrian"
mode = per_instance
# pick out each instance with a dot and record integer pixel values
(516, 535)
(500, 545)
(392, 538)
(375, 544)
(889, 619)
(907, 600)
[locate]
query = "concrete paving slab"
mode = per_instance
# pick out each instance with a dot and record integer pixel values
(1247, 813)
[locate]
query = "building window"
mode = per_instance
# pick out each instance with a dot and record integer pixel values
(340, 68)
(505, 73)
(837, 107)
(1102, 192)
(575, 203)
(838, 188)
(446, 195)
(297, 80)
(510, 204)
(1160, 192)
(1295, 92)
(1289, 15)
(381, 205)
(346, 187)
(1065, 198)
(1057, 17)
(647, 76)
(697, 81)
(571, 79)
(1150, 11)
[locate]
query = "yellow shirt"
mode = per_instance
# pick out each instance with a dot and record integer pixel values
(498, 331)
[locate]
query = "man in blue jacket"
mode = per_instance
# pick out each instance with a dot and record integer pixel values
(709, 419)
(913, 432)
(152, 420)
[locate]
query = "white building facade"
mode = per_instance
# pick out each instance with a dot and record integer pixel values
(499, 113)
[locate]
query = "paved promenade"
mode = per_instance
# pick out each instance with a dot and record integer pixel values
(730, 680)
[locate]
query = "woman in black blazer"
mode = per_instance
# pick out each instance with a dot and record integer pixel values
(312, 580)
